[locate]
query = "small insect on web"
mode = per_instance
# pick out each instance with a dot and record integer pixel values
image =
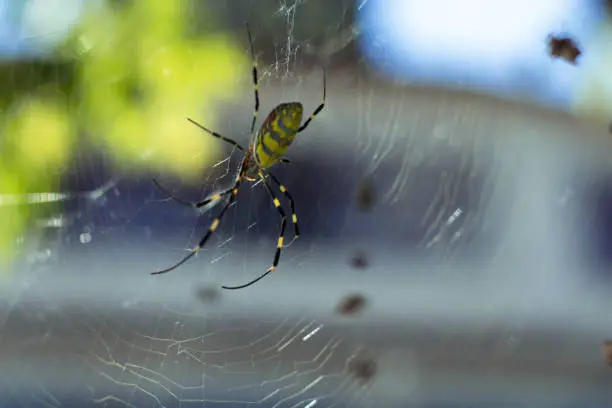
(563, 47)
(266, 148)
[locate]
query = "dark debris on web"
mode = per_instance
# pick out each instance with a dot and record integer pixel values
(359, 259)
(352, 305)
(366, 196)
(362, 369)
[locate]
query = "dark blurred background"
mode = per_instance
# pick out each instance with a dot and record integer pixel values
(452, 196)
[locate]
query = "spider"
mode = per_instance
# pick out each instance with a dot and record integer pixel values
(266, 148)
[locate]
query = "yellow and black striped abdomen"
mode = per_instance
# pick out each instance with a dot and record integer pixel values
(277, 133)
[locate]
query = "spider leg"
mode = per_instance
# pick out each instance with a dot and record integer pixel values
(283, 189)
(279, 245)
(319, 108)
(255, 81)
(190, 203)
(215, 134)
(211, 229)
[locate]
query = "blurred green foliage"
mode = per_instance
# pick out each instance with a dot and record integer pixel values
(140, 75)
(126, 78)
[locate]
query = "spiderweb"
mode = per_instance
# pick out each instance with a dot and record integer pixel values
(383, 170)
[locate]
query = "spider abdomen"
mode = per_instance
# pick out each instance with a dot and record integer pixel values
(277, 133)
